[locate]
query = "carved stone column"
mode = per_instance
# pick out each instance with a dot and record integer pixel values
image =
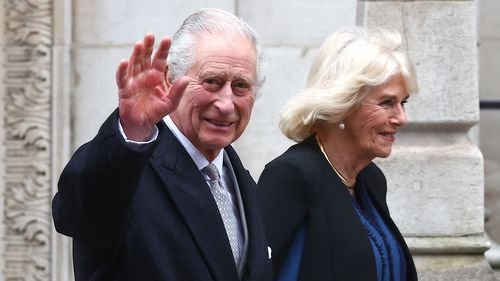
(26, 182)
(435, 174)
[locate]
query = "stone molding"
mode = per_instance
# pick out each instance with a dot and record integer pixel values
(471, 244)
(27, 81)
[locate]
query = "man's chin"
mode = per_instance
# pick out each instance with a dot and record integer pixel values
(216, 144)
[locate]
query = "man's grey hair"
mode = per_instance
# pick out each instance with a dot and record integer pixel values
(182, 51)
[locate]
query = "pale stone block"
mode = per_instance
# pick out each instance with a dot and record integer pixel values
(453, 268)
(489, 21)
(435, 189)
(115, 22)
(440, 37)
(387, 14)
(95, 93)
(492, 198)
(489, 68)
(489, 132)
(470, 244)
(298, 23)
(287, 75)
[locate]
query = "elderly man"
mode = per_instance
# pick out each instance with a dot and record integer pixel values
(159, 194)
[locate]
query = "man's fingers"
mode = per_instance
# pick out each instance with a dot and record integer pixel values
(121, 74)
(149, 41)
(177, 89)
(134, 65)
(159, 60)
(162, 51)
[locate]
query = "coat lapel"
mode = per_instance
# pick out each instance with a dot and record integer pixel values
(191, 195)
(350, 243)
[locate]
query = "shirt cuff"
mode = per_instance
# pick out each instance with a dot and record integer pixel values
(152, 139)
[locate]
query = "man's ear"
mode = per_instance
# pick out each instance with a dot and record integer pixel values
(168, 78)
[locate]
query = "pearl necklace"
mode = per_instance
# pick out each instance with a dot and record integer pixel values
(344, 180)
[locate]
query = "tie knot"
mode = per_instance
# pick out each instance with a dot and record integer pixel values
(211, 171)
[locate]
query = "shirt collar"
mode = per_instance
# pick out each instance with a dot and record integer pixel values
(199, 159)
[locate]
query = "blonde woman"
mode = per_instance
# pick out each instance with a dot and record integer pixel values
(324, 200)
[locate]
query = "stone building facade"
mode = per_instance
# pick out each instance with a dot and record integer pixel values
(58, 63)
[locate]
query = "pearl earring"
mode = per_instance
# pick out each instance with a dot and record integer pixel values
(341, 125)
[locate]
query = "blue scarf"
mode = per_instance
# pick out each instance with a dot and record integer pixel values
(389, 256)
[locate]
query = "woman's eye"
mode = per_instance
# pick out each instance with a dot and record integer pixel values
(386, 103)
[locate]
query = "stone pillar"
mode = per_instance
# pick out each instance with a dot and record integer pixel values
(35, 71)
(435, 174)
(2, 131)
(62, 83)
(26, 140)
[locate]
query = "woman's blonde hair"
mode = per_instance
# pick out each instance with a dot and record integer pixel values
(349, 61)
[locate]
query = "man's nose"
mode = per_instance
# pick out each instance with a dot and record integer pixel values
(225, 98)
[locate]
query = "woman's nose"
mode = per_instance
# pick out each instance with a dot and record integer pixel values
(398, 117)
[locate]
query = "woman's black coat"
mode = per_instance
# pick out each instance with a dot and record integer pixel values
(301, 186)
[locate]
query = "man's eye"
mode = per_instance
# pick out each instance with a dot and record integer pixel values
(241, 87)
(211, 84)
